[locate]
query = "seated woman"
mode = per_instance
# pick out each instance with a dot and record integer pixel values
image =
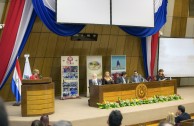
(36, 75)
(107, 79)
(160, 75)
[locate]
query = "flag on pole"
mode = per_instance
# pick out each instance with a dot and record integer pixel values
(27, 70)
(16, 82)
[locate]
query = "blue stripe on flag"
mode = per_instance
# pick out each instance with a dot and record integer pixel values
(144, 52)
(15, 91)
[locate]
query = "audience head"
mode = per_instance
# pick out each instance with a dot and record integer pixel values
(3, 114)
(37, 123)
(63, 123)
(107, 74)
(171, 118)
(45, 120)
(94, 76)
(124, 74)
(161, 72)
(165, 124)
(136, 73)
(115, 118)
(181, 109)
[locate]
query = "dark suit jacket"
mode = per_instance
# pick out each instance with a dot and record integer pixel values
(183, 116)
(92, 83)
(119, 80)
(159, 78)
(139, 79)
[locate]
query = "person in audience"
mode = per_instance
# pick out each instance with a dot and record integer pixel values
(160, 75)
(171, 118)
(165, 123)
(123, 79)
(181, 115)
(45, 120)
(3, 115)
(37, 123)
(107, 79)
(95, 80)
(137, 78)
(63, 123)
(35, 75)
(115, 118)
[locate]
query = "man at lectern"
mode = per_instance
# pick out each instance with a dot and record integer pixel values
(36, 75)
(137, 78)
(122, 79)
(95, 80)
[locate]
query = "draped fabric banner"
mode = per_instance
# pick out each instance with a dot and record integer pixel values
(9, 34)
(149, 49)
(159, 20)
(154, 48)
(144, 52)
(48, 17)
(24, 22)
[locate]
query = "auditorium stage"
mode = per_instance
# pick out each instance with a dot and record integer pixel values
(80, 114)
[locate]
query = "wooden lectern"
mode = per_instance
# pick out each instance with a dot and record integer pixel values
(37, 97)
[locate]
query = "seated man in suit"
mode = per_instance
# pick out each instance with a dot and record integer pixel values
(181, 115)
(122, 79)
(160, 76)
(137, 78)
(95, 80)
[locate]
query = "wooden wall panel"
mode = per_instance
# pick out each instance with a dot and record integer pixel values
(34, 44)
(37, 26)
(60, 46)
(46, 49)
(95, 46)
(38, 64)
(86, 48)
(46, 68)
(42, 44)
(128, 49)
(177, 8)
(179, 22)
(120, 45)
(185, 8)
(51, 45)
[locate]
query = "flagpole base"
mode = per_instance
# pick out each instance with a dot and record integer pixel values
(16, 104)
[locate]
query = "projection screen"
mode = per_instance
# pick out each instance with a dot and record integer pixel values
(83, 11)
(133, 13)
(176, 57)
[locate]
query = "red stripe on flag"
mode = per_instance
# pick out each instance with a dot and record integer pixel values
(9, 34)
(18, 69)
(154, 47)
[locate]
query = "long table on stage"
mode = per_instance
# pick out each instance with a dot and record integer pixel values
(37, 97)
(111, 92)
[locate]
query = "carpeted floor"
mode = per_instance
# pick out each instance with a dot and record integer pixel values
(80, 114)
